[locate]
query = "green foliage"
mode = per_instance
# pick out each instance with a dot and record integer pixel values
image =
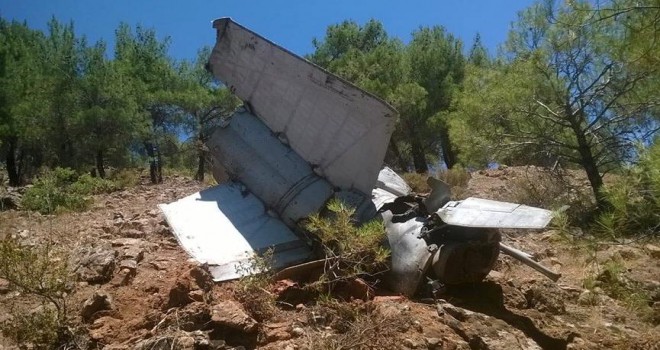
(40, 271)
(634, 199)
(352, 251)
(125, 178)
(565, 90)
(63, 189)
(52, 191)
(611, 279)
(86, 184)
(552, 190)
(204, 105)
(454, 177)
(417, 182)
(252, 289)
(38, 329)
(417, 79)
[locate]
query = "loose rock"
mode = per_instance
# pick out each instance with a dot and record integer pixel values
(98, 302)
(297, 332)
(230, 314)
(653, 250)
(95, 264)
(4, 286)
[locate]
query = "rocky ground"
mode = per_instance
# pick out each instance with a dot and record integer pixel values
(136, 289)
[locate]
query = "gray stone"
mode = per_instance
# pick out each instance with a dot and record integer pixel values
(5, 286)
(129, 264)
(100, 301)
(434, 343)
(297, 332)
(410, 344)
(134, 252)
(10, 200)
(653, 250)
(483, 331)
(94, 264)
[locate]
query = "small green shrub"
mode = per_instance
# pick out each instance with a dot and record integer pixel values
(62, 189)
(417, 182)
(352, 251)
(125, 178)
(36, 329)
(611, 279)
(252, 289)
(552, 190)
(86, 184)
(455, 177)
(52, 192)
(42, 272)
(634, 199)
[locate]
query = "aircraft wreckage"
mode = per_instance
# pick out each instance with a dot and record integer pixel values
(305, 136)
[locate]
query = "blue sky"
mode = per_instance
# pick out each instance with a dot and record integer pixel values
(291, 24)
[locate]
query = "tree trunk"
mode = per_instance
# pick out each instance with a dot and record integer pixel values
(590, 167)
(448, 153)
(99, 164)
(419, 159)
(200, 166)
(395, 155)
(12, 168)
(159, 160)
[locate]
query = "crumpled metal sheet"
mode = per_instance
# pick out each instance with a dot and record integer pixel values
(410, 256)
(225, 225)
(477, 212)
(341, 129)
(391, 182)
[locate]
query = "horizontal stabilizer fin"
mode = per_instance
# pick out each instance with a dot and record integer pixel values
(477, 212)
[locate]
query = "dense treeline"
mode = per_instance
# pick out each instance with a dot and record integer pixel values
(65, 102)
(572, 85)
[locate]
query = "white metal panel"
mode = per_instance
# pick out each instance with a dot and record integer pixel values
(476, 212)
(329, 122)
(390, 181)
(223, 226)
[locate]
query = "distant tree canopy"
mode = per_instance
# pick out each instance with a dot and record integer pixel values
(66, 102)
(417, 79)
(573, 84)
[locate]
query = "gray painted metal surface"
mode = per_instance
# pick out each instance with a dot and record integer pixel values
(250, 153)
(391, 182)
(341, 129)
(477, 212)
(410, 256)
(225, 225)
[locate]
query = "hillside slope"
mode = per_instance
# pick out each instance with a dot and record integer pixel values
(135, 288)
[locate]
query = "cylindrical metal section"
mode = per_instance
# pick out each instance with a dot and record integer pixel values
(250, 153)
(525, 259)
